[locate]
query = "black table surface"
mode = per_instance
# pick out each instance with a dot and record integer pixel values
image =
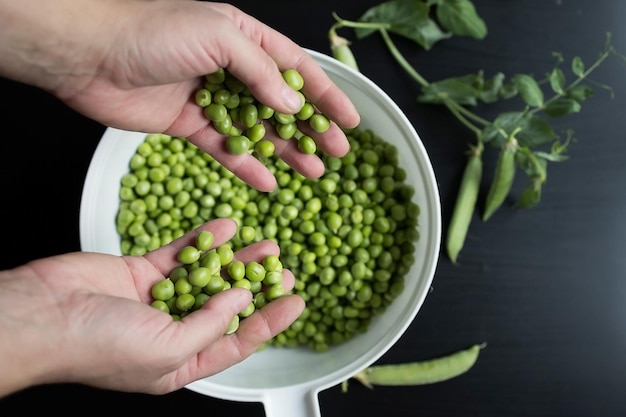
(544, 287)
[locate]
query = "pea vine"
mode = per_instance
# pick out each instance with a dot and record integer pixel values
(525, 139)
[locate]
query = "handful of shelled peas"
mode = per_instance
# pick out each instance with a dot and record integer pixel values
(236, 113)
(206, 271)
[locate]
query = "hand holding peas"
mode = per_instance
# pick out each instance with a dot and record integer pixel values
(86, 317)
(146, 80)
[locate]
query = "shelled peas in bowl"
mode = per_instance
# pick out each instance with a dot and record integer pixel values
(347, 236)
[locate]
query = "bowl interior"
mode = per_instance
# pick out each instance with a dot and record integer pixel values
(283, 367)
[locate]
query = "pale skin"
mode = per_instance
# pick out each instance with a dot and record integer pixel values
(134, 65)
(86, 318)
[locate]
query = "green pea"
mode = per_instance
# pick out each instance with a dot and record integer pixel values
(247, 234)
(215, 285)
(160, 305)
(273, 277)
(216, 112)
(319, 123)
(185, 302)
(237, 145)
(307, 145)
(249, 115)
(216, 77)
(236, 270)
(233, 326)
(256, 132)
(284, 118)
(286, 130)
(226, 253)
(293, 78)
(188, 255)
(204, 240)
(272, 263)
(163, 290)
(225, 126)
(250, 308)
(306, 112)
(200, 276)
(265, 112)
(264, 148)
(255, 272)
(211, 260)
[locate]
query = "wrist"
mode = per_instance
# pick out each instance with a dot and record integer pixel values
(29, 348)
(50, 44)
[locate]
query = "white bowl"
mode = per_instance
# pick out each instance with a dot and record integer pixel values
(288, 381)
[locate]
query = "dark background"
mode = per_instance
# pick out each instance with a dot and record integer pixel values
(545, 287)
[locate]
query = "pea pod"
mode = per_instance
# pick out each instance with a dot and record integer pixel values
(421, 372)
(503, 178)
(465, 203)
(340, 48)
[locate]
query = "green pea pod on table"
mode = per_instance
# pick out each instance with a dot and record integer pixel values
(503, 178)
(465, 203)
(420, 372)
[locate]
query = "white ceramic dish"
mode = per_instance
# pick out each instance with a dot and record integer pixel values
(288, 381)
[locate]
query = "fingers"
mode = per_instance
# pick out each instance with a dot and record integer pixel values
(243, 52)
(248, 168)
(253, 331)
(261, 55)
(266, 323)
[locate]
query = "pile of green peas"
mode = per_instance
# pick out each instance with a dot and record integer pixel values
(205, 271)
(234, 111)
(348, 236)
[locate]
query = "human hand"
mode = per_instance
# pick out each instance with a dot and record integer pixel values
(136, 66)
(85, 318)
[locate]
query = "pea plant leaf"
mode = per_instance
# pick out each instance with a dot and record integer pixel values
(578, 67)
(408, 18)
(465, 90)
(561, 106)
(460, 18)
(579, 92)
(534, 131)
(529, 90)
(557, 80)
(460, 89)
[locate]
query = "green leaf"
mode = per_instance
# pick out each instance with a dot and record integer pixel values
(492, 88)
(454, 89)
(551, 157)
(465, 90)
(562, 106)
(530, 196)
(407, 18)
(557, 80)
(460, 18)
(578, 67)
(579, 92)
(460, 89)
(507, 91)
(528, 162)
(529, 90)
(534, 132)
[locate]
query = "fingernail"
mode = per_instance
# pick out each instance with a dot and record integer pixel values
(292, 99)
